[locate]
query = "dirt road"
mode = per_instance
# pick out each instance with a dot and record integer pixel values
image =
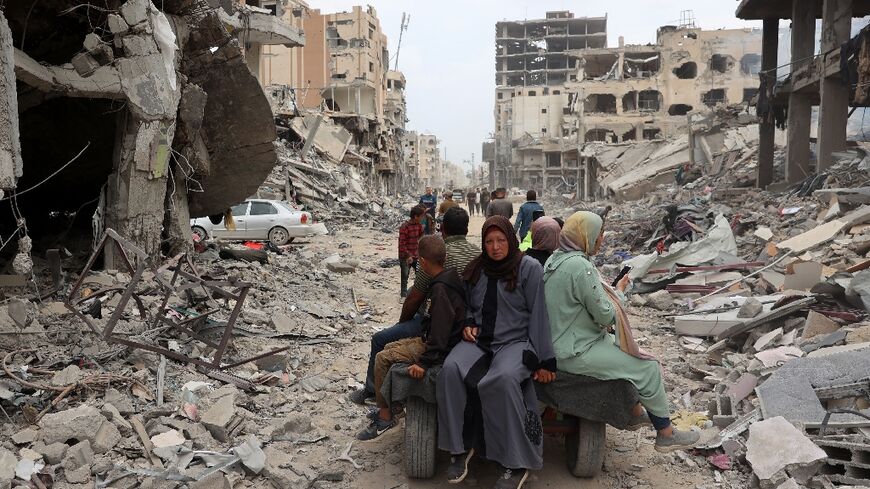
(630, 460)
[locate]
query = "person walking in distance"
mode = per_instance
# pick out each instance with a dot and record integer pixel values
(409, 235)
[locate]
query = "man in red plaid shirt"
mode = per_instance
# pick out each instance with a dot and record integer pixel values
(409, 236)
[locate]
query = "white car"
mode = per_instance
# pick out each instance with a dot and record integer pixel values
(261, 220)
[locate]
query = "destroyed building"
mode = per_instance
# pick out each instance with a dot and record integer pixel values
(823, 72)
(343, 73)
(150, 110)
(560, 87)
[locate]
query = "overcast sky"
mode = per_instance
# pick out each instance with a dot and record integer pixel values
(448, 51)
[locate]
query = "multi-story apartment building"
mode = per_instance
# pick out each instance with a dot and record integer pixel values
(560, 87)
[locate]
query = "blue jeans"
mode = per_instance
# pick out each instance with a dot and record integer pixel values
(396, 332)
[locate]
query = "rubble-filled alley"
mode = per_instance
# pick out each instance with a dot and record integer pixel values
(201, 204)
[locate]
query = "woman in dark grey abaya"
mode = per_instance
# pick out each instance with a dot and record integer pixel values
(507, 346)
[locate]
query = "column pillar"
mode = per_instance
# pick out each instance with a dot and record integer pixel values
(803, 34)
(766, 127)
(834, 106)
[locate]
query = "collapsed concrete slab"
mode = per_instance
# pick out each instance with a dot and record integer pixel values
(777, 450)
(791, 391)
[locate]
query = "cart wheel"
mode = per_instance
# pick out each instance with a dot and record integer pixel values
(585, 449)
(421, 422)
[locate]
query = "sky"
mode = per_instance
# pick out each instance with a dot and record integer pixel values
(448, 52)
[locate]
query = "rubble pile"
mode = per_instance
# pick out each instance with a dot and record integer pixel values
(82, 409)
(335, 192)
(768, 294)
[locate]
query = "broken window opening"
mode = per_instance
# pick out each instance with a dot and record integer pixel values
(649, 100)
(679, 109)
(750, 64)
(641, 65)
(629, 101)
(332, 105)
(557, 92)
(721, 63)
(600, 66)
(687, 70)
(56, 41)
(652, 133)
(543, 111)
(499, 95)
(532, 93)
(630, 135)
(600, 135)
(554, 160)
(749, 94)
(601, 103)
(714, 97)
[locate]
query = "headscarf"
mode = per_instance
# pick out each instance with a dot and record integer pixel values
(545, 234)
(580, 232)
(505, 269)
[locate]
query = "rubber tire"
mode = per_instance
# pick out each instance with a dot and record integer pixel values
(286, 236)
(421, 433)
(200, 231)
(585, 449)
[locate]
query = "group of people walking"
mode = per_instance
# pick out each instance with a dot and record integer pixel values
(501, 319)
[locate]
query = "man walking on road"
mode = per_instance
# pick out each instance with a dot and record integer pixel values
(484, 201)
(459, 254)
(500, 206)
(525, 216)
(471, 200)
(429, 201)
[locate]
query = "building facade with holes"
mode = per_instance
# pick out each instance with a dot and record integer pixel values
(559, 87)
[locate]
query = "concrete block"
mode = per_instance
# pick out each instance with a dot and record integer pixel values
(858, 335)
(139, 45)
(790, 391)
(103, 54)
(661, 300)
(768, 340)
(817, 324)
(53, 453)
(831, 339)
(8, 461)
(85, 64)
(77, 463)
(751, 307)
(81, 423)
(106, 437)
(117, 24)
(25, 436)
(69, 375)
(92, 42)
(218, 417)
(216, 480)
(777, 450)
(135, 11)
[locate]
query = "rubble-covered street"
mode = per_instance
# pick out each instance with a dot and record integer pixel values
(206, 208)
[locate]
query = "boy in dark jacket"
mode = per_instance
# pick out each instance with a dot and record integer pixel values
(442, 330)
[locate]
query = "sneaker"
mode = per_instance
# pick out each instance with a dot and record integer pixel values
(682, 440)
(512, 479)
(397, 409)
(360, 396)
(458, 469)
(375, 429)
(638, 422)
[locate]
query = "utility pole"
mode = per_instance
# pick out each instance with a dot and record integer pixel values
(406, 18)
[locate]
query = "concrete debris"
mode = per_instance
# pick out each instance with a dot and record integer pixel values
(750, 308)
(67, 376)
(251, 455)
(777, 450)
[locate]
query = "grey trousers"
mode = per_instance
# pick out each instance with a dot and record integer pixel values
(511, 423)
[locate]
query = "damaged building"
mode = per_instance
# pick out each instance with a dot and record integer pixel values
(560, 87)
(131, 116)
(343, 73)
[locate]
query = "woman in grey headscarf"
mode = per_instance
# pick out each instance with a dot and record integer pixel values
(545, 238)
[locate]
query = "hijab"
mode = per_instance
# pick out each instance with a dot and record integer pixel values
(545, 234)
(505, 269)
(580, 232)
